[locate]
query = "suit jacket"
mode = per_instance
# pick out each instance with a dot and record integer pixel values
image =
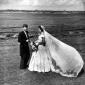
(24, 46)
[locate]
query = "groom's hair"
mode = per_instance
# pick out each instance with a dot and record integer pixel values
(25, 25)
(40, 27)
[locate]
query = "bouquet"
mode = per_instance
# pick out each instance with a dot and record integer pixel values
(34, 46)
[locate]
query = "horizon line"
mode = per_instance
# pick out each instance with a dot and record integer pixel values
(39, 10)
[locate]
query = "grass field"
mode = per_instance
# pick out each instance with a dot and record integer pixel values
(10, 74)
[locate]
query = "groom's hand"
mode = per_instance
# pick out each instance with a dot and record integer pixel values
(27, 40)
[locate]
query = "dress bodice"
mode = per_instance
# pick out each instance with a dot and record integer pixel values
(40, 37)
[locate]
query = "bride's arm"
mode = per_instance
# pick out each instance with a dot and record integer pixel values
(41, 41)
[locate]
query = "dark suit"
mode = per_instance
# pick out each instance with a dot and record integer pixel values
(24, 49)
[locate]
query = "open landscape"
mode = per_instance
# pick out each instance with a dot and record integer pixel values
(69, 28)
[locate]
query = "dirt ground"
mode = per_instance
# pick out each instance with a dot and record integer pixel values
(10, 74)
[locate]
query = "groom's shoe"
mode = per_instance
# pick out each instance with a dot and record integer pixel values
(23, 67)
(26, 66)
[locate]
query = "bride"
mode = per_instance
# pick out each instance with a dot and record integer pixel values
(51, 54)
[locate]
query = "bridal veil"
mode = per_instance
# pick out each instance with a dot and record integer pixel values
(58, 57)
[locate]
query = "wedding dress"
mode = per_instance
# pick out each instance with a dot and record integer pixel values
(56, 56)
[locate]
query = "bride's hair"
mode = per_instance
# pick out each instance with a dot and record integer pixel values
(41, 28)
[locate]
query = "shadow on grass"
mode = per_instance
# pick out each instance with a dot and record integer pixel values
(81, 73)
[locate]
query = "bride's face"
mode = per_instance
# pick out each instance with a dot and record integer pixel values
(39, 31)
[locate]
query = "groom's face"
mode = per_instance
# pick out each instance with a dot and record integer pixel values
(25, 28)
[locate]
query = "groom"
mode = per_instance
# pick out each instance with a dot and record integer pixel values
(23, 39)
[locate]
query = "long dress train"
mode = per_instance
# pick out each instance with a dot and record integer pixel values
(57, 57)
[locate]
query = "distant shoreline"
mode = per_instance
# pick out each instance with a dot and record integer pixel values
(46, 11)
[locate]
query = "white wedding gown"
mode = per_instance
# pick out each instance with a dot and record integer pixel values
(57, 57)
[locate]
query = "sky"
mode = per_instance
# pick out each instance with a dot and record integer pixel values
(57, 5)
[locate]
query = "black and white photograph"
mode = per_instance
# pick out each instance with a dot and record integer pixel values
(42, 42)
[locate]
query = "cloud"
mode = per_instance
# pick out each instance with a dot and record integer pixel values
(3, 1)
(43, 4)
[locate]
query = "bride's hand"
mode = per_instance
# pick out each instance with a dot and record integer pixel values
(37, 43)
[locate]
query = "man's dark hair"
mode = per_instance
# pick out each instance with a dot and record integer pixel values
(25, 25)
(40, 27)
